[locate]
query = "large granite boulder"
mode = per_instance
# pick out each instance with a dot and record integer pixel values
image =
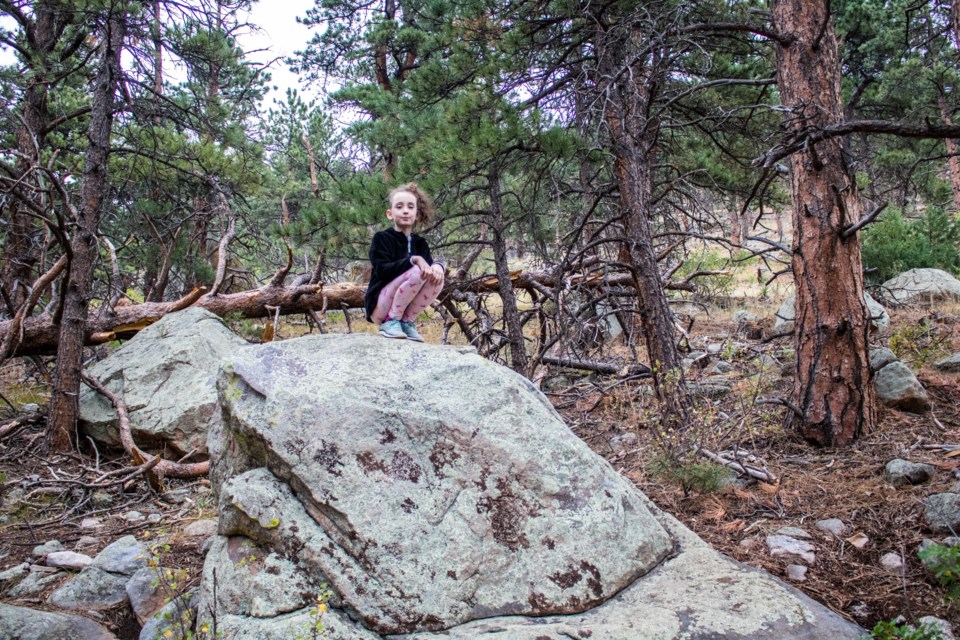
(922, 285)
(433, 490)
(166, 375)
(786, 315)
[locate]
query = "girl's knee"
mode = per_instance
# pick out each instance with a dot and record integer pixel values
(415, 274)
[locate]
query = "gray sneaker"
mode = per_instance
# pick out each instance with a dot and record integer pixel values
(410, 330)
(392, 329)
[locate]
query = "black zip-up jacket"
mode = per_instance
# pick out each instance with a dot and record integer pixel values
(389, 258)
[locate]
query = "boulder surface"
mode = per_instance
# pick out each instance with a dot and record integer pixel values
(166, 375)
(922, 285)
(437, 494)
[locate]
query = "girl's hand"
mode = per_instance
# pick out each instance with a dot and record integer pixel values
(435, 274)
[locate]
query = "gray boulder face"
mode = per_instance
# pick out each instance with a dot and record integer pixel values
(921, 286)
(166, 375)
(898, 387)
(20, 623)
(426, 471)
(439, 495)
(881, 357)
(787, 314)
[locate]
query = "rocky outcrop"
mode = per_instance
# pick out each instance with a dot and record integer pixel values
(440, 496)
(166, 375)
(922, 285)
(786, 314)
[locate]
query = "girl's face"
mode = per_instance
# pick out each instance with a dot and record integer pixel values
(403, 211)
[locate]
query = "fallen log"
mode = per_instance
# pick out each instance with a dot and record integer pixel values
(38, 335)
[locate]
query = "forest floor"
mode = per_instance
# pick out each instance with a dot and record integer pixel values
(613, 417)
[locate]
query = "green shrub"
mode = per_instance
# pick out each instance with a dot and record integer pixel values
(944, 563)
(896, 244)
(709, 286)
(895, 631)
(704, 477)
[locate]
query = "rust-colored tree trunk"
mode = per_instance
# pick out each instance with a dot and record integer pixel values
(953, 161)
(64, 401)
(628, 86)
(833, 391)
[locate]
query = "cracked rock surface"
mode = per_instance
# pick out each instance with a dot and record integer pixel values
(440, 495)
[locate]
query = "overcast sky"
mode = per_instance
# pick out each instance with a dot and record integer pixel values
(281, 35)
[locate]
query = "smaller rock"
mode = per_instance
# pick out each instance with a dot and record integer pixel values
(90, 523)
(796, 572)
(714, 348)
(622, 441)
(154, 518)
(86, 542)
(102, 499)
(743, 316)
(124, 556)
(708, 390)
(898, 387)
(791, 547)
(794, 532)
(147, 593)
(951, 541)
(950, 364)
(835, 526)
(941, 625)
(14, 574)
(881, 357)
(34, 583)
(47, 547)
(68, 560)
(30, 407)
(942, 512)
(201, 528)
(891, 561)
(721, 367)
(133, 516)
(901, 473)
(860, 610)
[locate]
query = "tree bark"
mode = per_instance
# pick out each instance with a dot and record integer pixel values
(64, 402)
(511, 315)
(628, 94)
(833, 388)
(21, 254)
(953, 161)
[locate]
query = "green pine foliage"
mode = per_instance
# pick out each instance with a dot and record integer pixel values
(896, 244)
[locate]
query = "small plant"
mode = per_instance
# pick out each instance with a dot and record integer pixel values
(704, 477)
(892, 630)
(317, 629)
(944, 563)
(918, 343)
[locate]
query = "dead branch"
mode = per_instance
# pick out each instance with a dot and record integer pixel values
(278, 279)
(741, 468)
(14, 424)
(598, 367)
(864, 221)
(161, 468)
(222, 257)
(14, 331)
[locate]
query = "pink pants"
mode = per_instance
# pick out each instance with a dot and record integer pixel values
(405, 297)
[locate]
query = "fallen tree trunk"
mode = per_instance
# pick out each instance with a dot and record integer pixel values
(39, 334)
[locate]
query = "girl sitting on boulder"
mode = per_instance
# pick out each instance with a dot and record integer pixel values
(405, 279)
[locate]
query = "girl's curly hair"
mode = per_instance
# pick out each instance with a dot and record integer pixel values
(424, 203)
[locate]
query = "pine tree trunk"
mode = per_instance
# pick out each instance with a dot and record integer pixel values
(21, 250)
(64, 402)
(511, 315)
(953, 161)
(628, 99)
(833, 389)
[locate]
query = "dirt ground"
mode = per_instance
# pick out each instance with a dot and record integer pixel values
(614, 418)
